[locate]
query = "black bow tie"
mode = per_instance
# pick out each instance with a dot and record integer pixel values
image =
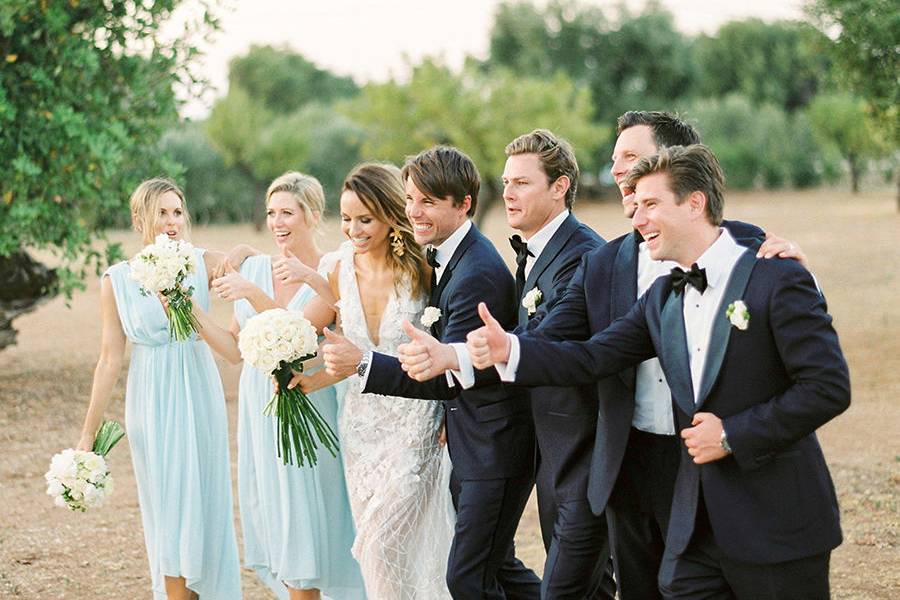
(521, 248)
(431, 257)
(696, 277)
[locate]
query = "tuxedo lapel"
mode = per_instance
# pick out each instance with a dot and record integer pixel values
(673, 353)
(554, 246)
(548, 254)
(437, 292)
(623, 292)
(721, 330)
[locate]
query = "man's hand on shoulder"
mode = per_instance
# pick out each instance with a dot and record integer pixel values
(775, 246)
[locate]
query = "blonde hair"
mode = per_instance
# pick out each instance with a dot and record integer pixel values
(379, 187)
(308, 193)
(144, 204)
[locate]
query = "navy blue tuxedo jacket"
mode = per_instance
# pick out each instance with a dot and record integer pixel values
(489, 430)
(772, 384)
(603, 289)
(565, 418)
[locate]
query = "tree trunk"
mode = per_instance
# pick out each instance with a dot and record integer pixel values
(24, 284)
(855, 173)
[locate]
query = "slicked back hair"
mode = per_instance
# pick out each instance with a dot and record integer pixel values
(690, 169)
(555, 154)
(444, 171)
(668, 129)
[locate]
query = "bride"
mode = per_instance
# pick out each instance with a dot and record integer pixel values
(396, 468)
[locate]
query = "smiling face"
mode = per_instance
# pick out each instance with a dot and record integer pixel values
(531, 200)
(362, 228)
(672, 231)
(170, 217)
(433, 219)
(632, 145)
(286, 220)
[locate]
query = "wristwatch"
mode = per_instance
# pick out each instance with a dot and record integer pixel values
(723, 440)
(363, 365)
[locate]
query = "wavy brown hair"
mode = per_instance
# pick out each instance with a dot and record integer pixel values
(380, 189)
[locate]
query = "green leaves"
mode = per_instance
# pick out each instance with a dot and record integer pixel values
(82, 106)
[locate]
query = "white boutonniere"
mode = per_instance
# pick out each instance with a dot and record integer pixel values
(430, 316)
(531, 300)
(738, 314)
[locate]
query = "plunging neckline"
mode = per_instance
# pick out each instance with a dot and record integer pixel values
(392, 298)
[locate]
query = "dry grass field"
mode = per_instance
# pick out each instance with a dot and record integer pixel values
(852, 242)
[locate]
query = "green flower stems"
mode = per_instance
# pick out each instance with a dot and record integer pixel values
(108, 435)
(299, 421)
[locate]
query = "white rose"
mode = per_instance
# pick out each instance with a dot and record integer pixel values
(430, 316)
(531, 300)
(54, 488)
(738, 314)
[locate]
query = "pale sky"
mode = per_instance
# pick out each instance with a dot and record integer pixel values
(373, 40)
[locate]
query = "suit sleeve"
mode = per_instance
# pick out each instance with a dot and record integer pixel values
(567, 317)
(554, 296)
(386, 377)
(624, 343)
(809, 349)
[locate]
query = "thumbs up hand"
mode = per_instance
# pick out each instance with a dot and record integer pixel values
(289, 269)
(487, 345)
(423, 357)
(340, 355)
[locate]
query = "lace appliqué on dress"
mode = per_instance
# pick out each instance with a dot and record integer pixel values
(397, 474)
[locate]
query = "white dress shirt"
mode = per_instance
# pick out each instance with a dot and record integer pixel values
(536, 245)
(652, 397)
(700, 310)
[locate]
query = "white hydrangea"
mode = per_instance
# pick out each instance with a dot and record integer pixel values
(277, 336)
(163, 264)
(78, 480)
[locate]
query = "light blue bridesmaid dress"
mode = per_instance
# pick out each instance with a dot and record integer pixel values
(178, 431)
(296, 521)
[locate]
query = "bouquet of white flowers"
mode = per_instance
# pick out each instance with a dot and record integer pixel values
(81, 480)
(161, 268)
(277, 342)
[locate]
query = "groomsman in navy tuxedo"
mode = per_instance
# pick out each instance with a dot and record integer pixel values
(754, 367)
(540, 181)
(489, 429)
(635, 454)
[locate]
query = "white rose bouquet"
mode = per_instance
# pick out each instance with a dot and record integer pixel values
(277, 342)
(81, 480)
(161, 268)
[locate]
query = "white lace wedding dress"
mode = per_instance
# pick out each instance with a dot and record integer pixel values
(397, 473)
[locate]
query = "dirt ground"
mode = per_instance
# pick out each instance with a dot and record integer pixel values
(852, 242)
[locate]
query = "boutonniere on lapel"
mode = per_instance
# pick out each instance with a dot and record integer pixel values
(531, 300)
(738, 314)
(430, 316)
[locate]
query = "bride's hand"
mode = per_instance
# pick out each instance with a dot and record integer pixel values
(311, 383)
(290, 269)
(85, 443)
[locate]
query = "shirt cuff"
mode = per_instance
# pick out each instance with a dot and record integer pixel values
(367, 358)
(466, 373)
(508, 369)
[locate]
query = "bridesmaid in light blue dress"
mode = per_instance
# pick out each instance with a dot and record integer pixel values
(296, 521)
(175, 419)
